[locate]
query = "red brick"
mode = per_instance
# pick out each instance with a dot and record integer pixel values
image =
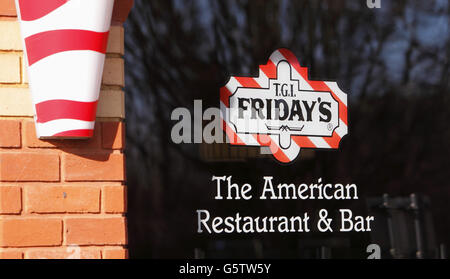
(94, 167)
(113, 135)
(114, 199)
(11, 255)
(29, 167)
(62, 199)
(96, 231)
(30, 232)
(7, 8)
(10, 200)
(121, 10)
(8, 18)
(69, 252)
(31, 140)
(10, 133)
(115, 253)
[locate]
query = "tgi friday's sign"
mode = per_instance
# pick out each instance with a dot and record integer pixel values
(283, 110)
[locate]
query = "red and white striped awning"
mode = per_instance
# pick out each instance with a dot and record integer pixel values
(65, 43)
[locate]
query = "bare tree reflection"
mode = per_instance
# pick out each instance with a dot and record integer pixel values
(394, 62)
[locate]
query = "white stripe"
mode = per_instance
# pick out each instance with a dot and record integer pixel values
(72, 75)
(93, 15)
(248, 139)
(337, 91)
(277, 57)
(223, 111)
(262, 80)
(232, 85)
(51, 128)
(319, 142)
(342, 130)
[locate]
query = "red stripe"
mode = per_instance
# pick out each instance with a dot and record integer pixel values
(225, 96)
(265, 140)
(270, 70)
(279, 155)
(35, 9)
(333, 142)
(247, 82)
(303, 141)
(65, 109)
(76, 134)
(47, 43)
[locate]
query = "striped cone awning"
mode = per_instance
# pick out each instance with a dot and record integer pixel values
(65, 44)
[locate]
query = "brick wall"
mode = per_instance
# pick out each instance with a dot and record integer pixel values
(61, 199)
